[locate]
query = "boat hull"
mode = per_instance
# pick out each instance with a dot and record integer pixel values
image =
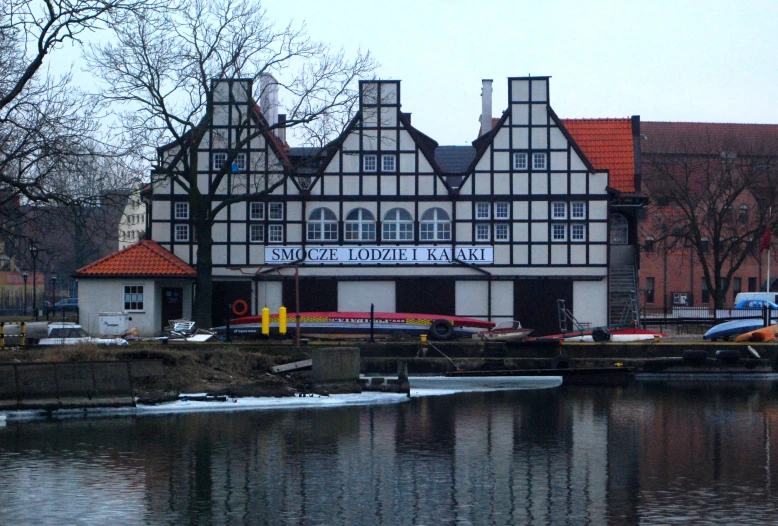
(733, 328)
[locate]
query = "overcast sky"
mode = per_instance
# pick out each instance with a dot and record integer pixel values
(709, 61)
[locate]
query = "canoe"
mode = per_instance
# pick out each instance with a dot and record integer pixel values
(765, 334)
(622, 335)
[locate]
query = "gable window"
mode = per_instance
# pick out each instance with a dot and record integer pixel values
(275, 233)
(239, 164)
(501, 211)
(558, 232)
(369, 163)
(435, 225)
(275, 211)
(360, 225)
(256, 233)
(257, 211)
(578, 232)
(133, 297)
(538, 161)
(218, 160)
(578, 210)
(182, 233)
(482, 210)
(558, 210)
(181, 211)
(482, 232)
(388, 163)
(501, 232)
(520, 161)
(397, 225)
(322, 225)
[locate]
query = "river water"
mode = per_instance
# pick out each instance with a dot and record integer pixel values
(650, 453)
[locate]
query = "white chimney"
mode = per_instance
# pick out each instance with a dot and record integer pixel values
(486, 106)
(268, 98)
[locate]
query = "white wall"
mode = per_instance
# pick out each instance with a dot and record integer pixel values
(356, 296)
(590, 302)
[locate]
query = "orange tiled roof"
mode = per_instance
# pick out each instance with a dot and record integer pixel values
(144, 258)
(608, 145)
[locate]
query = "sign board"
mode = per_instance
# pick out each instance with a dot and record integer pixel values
(374, 255)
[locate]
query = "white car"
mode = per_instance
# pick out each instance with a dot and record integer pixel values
(72, 334)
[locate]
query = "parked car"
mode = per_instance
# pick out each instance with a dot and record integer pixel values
(756, 304)
(67, 304)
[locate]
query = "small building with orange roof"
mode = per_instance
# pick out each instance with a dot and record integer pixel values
(144, 281)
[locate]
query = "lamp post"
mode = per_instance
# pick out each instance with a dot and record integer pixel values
(34, 254)
(25, 274)
(53, 299)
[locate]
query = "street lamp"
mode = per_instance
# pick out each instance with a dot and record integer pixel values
(53, 289)
(34, 254)
(25, 274)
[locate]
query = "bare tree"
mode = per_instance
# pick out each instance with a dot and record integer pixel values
(160, 72)
(44, 121)
(710, 195)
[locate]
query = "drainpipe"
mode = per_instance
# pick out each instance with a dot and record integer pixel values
(488, 284)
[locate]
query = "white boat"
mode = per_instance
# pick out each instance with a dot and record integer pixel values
(505, 330)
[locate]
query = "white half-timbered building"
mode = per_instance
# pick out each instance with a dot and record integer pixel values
(384, 216)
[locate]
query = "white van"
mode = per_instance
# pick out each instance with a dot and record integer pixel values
(764, 296)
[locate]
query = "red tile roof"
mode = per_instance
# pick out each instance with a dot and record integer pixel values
(608, 144)
(144, 258)
(708, 138)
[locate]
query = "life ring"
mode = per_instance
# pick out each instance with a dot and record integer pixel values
(441, 330)
(239, 308)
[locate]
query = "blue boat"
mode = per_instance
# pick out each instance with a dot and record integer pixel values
(725, 330)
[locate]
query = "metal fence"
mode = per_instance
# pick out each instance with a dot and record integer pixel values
(696, 315)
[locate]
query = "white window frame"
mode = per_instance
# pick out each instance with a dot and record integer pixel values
(322, 225)
(218, 160)
(389, 163)
(520, 161)
(578, 210)
(539, 161)
(275, 233)
(482, 210)
(435, 225)
(501, 232)
(370, 163)
(239, 164)
(359, 225)
(578, 232)
(558, 232)
(502, 214)
(181, 211)
(482, 232)
(275, 211)
(181, 233)
(133, 298)
(558, 210)
(398, 226)
(256, 211)
(256, 233)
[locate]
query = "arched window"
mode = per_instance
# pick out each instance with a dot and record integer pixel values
(619, 230)
(435, 225)
(360, 225)
(397, 225)
(322, 225)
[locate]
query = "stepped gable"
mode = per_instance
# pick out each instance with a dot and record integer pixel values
(144, 258)
(609, 145)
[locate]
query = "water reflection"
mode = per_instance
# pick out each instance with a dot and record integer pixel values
(650, 454)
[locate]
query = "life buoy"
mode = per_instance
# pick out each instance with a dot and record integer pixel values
(239, 308)
(441, 330)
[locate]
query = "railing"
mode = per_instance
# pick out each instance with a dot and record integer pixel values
(699, 315)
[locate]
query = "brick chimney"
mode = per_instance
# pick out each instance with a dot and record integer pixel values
(486, 106)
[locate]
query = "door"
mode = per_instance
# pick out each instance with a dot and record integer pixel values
(172, 304)
(535, 303)
(225, 293)
(316, 295)
(426, 296)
